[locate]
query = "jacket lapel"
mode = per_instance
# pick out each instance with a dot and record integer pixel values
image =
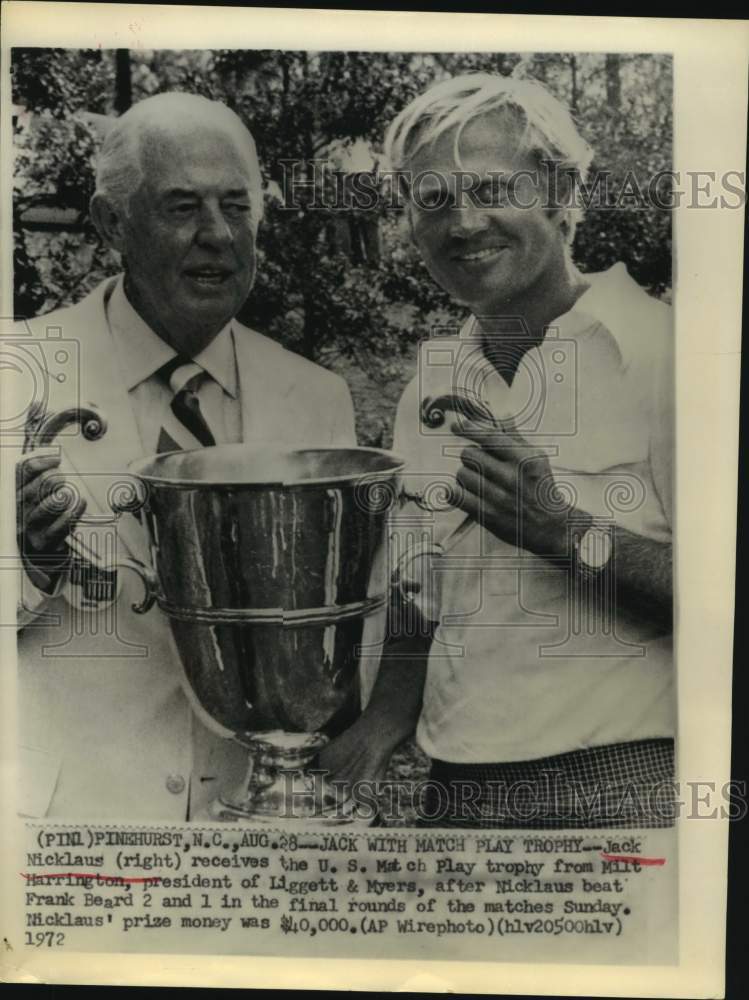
(265, 385)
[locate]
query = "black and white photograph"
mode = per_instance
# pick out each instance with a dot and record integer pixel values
(348, 483)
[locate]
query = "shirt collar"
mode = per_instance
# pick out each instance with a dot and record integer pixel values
(605, 307)
(602, 307)
(141, 352)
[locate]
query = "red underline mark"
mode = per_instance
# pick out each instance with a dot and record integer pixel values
(97, 876)
(634, 859)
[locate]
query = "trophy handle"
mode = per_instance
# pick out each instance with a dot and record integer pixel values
(149, 580)
(99, 581)
(433, 413)
(399, 577)
(42, 428)
(465, 403)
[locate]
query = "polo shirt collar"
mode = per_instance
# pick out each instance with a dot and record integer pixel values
(603, 304)
(606, 303)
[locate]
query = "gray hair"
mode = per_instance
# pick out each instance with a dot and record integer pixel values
(119, 167)
(548, 131)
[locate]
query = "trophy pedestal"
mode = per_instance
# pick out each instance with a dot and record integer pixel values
(277, 788)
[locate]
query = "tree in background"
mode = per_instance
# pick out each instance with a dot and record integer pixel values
(341, 287)
(54, 148)
(623, 104)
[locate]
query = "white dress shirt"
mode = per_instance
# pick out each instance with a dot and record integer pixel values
(141, 353)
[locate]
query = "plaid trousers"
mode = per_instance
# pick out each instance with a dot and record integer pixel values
(620, 785)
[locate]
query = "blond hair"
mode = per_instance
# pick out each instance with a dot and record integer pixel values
(547, 130)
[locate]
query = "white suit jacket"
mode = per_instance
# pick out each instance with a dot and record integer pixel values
(105, 726)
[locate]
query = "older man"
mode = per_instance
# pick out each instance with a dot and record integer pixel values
(106, 728)
(543, 690)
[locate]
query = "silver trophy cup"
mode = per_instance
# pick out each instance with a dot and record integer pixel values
(267, 564)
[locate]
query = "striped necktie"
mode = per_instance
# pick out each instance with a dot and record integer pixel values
(184, 377)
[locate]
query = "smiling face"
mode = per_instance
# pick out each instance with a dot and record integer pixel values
(188, 235)
(491, 255)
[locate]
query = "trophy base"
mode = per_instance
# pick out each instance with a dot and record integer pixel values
(277, 789)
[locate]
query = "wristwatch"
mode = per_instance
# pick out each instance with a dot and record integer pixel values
(593, 547)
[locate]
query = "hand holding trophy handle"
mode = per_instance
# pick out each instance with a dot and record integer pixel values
(85, 568)
(463, 402)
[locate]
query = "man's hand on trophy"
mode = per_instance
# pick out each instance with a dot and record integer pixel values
(360, 754)
(46, 513)
(507, 485)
